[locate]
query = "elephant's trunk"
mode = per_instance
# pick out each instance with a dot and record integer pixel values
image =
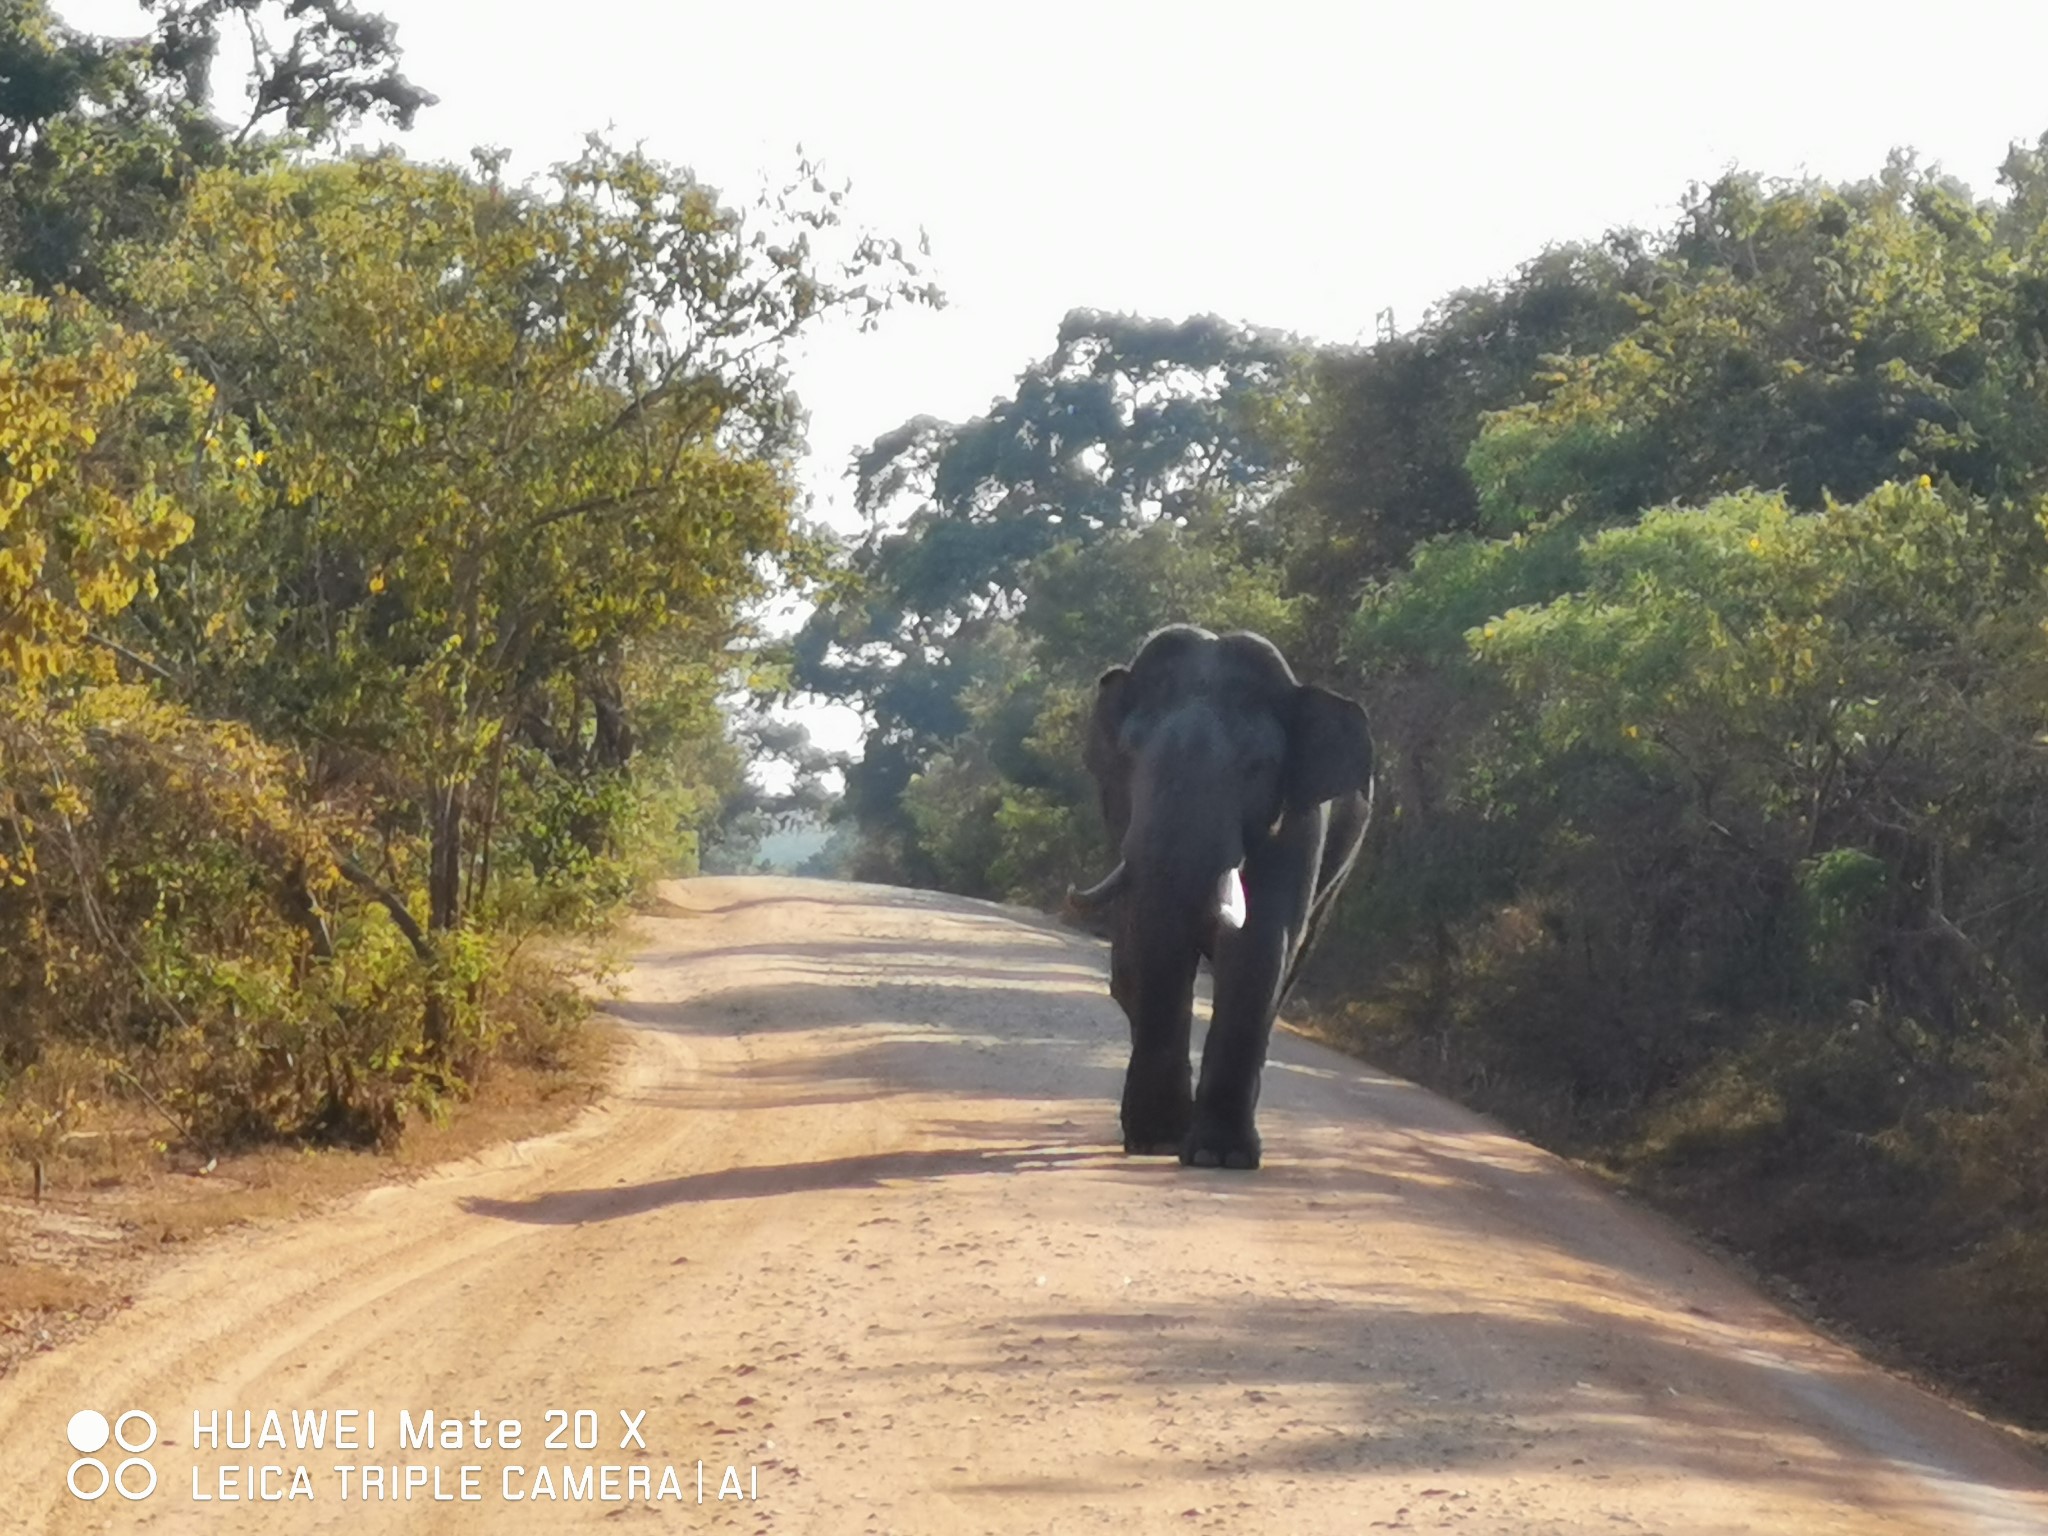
(1189, 878)
(1185, 842)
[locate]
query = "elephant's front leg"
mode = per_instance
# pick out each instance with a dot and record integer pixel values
(1249, 966)
(1159, 1000)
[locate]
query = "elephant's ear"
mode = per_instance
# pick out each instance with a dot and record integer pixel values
(1104, 753)
(1329, 748)
(1106, 722)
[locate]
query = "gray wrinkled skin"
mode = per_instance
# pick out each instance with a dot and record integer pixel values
(1210, 757)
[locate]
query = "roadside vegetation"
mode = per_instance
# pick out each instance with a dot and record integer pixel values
(1694, 581)
(377, 542)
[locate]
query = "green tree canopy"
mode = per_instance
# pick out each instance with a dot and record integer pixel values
(1136, 448)
(100, 136)
(510, 441)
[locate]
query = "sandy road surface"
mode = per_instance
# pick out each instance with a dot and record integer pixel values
(852, 1225)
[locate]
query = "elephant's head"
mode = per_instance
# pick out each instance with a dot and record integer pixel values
(1201, 749)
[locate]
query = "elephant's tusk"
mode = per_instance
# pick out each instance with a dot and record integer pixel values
(1230, 898)
(1104, 891)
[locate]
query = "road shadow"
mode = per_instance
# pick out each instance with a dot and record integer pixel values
(848, 893)
(575, 1207)
(929, 963)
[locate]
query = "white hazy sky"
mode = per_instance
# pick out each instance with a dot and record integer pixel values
(1297, 163)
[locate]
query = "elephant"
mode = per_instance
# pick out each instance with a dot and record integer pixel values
(1238, 798)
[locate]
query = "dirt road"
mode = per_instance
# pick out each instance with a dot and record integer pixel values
(853, 1229)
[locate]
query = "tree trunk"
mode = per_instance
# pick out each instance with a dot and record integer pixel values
(444, 879)
(444, 902)
(612, 745)
(487, 828)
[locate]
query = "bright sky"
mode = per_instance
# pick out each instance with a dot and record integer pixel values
(1302, 164)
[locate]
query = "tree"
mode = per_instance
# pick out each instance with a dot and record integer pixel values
(1814, 338)
(1132, 440)
(139, 847)
(1763, 760)
(1384, 438)
(108, 449)
(509, 440)
(100, 137)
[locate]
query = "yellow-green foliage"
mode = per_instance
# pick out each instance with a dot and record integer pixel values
(468, 487)
(481, 426)
(182, 919)
(159, 874)
(107, 446)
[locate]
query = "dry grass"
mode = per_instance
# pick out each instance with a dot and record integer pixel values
(118, 1198)
(30, 1287)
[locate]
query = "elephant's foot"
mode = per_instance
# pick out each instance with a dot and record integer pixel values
(1156, 1111)
(1213, 1144)
(1160, 1134)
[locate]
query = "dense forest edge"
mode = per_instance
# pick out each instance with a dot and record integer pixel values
(1693, 580)
(382, 547)
(384, 550)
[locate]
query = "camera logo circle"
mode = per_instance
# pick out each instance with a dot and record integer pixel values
(133, 1479)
